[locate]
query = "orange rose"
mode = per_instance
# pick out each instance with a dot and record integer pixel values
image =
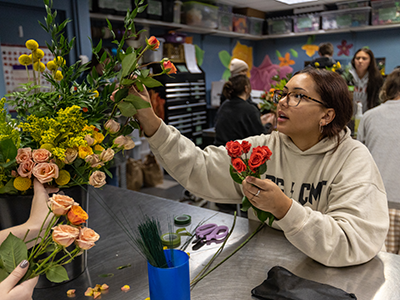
(77, 215)
(25, 168)
(153, 43)
(65, 235)
(45, 172)
(97, 179)
(87, 238)
(24, 154)
(41, 155)
(169, 67)
(60, 204)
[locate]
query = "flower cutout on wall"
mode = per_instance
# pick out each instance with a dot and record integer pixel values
(344, 48)
(286, 61)
(244, 53)
(309, 47)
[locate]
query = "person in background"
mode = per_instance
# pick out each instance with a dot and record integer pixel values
(325, 52)
(9, 290)
(237, 119)
(379, 130)
(367, 80)
(322, 186)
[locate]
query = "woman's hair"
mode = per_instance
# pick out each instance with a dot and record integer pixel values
(334, 92)
(235, 86)
(375, 79)
(391, 88)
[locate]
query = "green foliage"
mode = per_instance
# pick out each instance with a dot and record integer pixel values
(199, 55)
(57, 274)
(12, 251)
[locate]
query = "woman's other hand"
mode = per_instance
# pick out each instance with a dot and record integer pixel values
(9, 290)
(267, 196)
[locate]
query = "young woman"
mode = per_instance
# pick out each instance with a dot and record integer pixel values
(322, 186)
(237, 118)
(367, 79)
(379, 130)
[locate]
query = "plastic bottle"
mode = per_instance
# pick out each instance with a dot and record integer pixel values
(357, 118)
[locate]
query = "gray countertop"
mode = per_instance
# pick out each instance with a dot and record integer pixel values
(377, 279)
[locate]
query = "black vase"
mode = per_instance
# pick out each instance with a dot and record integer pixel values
(15, 210)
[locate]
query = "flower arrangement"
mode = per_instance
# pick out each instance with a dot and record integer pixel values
(68, 134)
(57, 244)
(267, 105)
(255, 165)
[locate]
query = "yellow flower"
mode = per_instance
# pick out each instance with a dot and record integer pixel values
(32, 58)
(39, 66)
(63, 177)
(31, 45)
(96, 94)
(88, 128)
(38, 54)
(317, 64)
(84, 151)
(59, 61)
(51, 65)
(58, 76)
(22, 183)
(310, 49)
(47, 146)
(98, 148)
(25, 60)
(338, 65)
(98, 136)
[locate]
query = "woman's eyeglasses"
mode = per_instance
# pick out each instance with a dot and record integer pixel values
(292, 98)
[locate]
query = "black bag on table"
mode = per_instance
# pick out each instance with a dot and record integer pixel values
(284, 285)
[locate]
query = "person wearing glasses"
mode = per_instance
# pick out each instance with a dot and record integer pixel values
(322, 186)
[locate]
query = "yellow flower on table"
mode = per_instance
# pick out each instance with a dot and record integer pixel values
(39, 66)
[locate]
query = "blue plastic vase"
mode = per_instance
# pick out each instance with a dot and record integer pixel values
(171, 283)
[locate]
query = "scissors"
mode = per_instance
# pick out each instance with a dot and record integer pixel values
(207, 232)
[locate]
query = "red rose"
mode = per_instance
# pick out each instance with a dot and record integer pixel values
(257, 158)
(238, 164)
(268, 152)
(246, 146)
(153, 43)
(234, 149)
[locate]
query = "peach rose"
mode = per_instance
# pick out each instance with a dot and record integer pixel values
(23, 154)
(25, 168)
(89, 140)
(65, 235)
(45, 172)
(60, 204)
(87, 238)
(41, 155)
(70, 155)
(94, 161)
(119, 141)
(97, 179)
(129, 143)
(77, 215)
(112, 126)
(107, 155)
(124, 142)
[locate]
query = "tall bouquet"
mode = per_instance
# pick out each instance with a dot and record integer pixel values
(267, 105)
(243, 165)
(68, 134)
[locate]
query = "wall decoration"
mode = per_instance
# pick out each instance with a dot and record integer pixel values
(309, 47)
(262, 76)
(244, 53)
(225, 59)
(285, 61)
(344, 48)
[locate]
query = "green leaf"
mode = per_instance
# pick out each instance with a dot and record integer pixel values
(8, 149)
(108, 173)
(127, 109)
(225, 58)
(226, 75)
(235, 176)
(106, 275)
(138, 102)
(263, 168)
(3, 274)
(128, 64)
(12, 251)
(127, 82)
(199, 55)
(57, 274)
(245, 204)
(121, 94)
(278, 54)
(294, 53)
(150, 82)
(145, 72)
(9, 188)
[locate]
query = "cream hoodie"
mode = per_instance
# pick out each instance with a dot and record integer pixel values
(339, 214)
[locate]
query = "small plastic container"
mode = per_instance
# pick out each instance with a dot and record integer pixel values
(200, 14)
(279, 25)
(256, 25)
(240, 23)
(345, 18)
(385, 12)
(225, 21)
(224, 7)
(305, 23)
(177, 11)
(352, 4)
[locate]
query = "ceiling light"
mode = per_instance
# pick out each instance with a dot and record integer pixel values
(290, 2)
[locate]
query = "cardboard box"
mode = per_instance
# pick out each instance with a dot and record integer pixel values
(249, 12)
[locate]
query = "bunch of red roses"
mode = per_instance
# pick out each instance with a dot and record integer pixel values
(253, 166)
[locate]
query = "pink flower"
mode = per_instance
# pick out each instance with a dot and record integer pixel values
(25, 168)
(41, 155)
(60, 204)
(45, 172)
(24, 154)
(65, 235)
(87, 238)
(344, 48)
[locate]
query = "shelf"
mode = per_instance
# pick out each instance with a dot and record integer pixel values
(231, 34)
